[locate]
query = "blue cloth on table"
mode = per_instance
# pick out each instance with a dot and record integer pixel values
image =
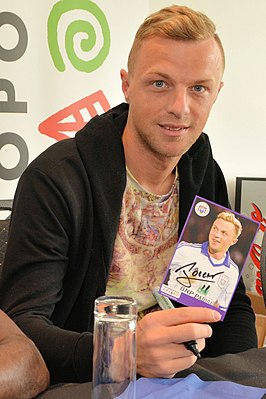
(193, 387)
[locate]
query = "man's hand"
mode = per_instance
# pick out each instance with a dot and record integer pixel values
(160, 336)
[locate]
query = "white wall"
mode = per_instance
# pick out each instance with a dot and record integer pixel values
(237, 126)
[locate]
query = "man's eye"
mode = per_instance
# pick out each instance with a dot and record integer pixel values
(199, 88)
(159, 83)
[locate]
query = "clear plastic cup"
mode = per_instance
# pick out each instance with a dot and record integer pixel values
(114, 352)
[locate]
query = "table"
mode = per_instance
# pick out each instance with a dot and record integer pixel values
(247, 368)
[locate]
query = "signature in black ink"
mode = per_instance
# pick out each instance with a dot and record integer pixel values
(194, 274)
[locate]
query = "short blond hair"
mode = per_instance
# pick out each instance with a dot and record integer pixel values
(178, 23)
(230, 217)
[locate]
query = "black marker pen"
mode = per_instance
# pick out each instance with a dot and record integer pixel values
(192, 346)
(164, 304)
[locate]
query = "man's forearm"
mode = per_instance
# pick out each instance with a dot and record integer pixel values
(23, 373)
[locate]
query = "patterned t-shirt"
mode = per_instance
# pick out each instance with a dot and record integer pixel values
(145, 242)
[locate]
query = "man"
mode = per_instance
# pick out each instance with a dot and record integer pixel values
(23, 373)
(106, 207)
(205, 271)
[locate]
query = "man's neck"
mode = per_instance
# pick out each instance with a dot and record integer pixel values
(154, 174)
(217, 255)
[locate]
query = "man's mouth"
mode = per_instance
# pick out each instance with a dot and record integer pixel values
(174, 129)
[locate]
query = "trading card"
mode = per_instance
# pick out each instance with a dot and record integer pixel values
(210, 256)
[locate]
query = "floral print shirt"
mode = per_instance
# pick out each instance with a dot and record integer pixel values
(145, 242)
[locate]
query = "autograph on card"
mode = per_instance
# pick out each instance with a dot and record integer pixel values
(210, 256)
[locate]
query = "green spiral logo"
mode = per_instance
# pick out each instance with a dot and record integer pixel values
(78, 27)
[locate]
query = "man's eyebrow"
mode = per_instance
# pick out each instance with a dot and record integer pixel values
(204, 81)
(161, 74)
(166, 76)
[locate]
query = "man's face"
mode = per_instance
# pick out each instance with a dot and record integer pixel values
(221, 236)
(171, 90)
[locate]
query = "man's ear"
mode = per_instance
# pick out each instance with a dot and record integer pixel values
(234, 241)
(221, 85)
(125, 83)
(219, 88)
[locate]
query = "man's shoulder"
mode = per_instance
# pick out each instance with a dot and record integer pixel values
(189, 246)
(56, 153)
(233, 265)
(59, 162)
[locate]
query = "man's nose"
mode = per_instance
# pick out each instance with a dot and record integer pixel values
(178, 103)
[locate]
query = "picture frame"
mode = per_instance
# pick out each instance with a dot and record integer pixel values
(249, 190)
(250, 200)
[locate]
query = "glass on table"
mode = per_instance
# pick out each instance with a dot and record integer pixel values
(114, 343)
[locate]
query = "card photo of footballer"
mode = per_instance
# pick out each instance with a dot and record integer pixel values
(209, 257)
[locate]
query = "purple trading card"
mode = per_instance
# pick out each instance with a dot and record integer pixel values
(210, 256)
